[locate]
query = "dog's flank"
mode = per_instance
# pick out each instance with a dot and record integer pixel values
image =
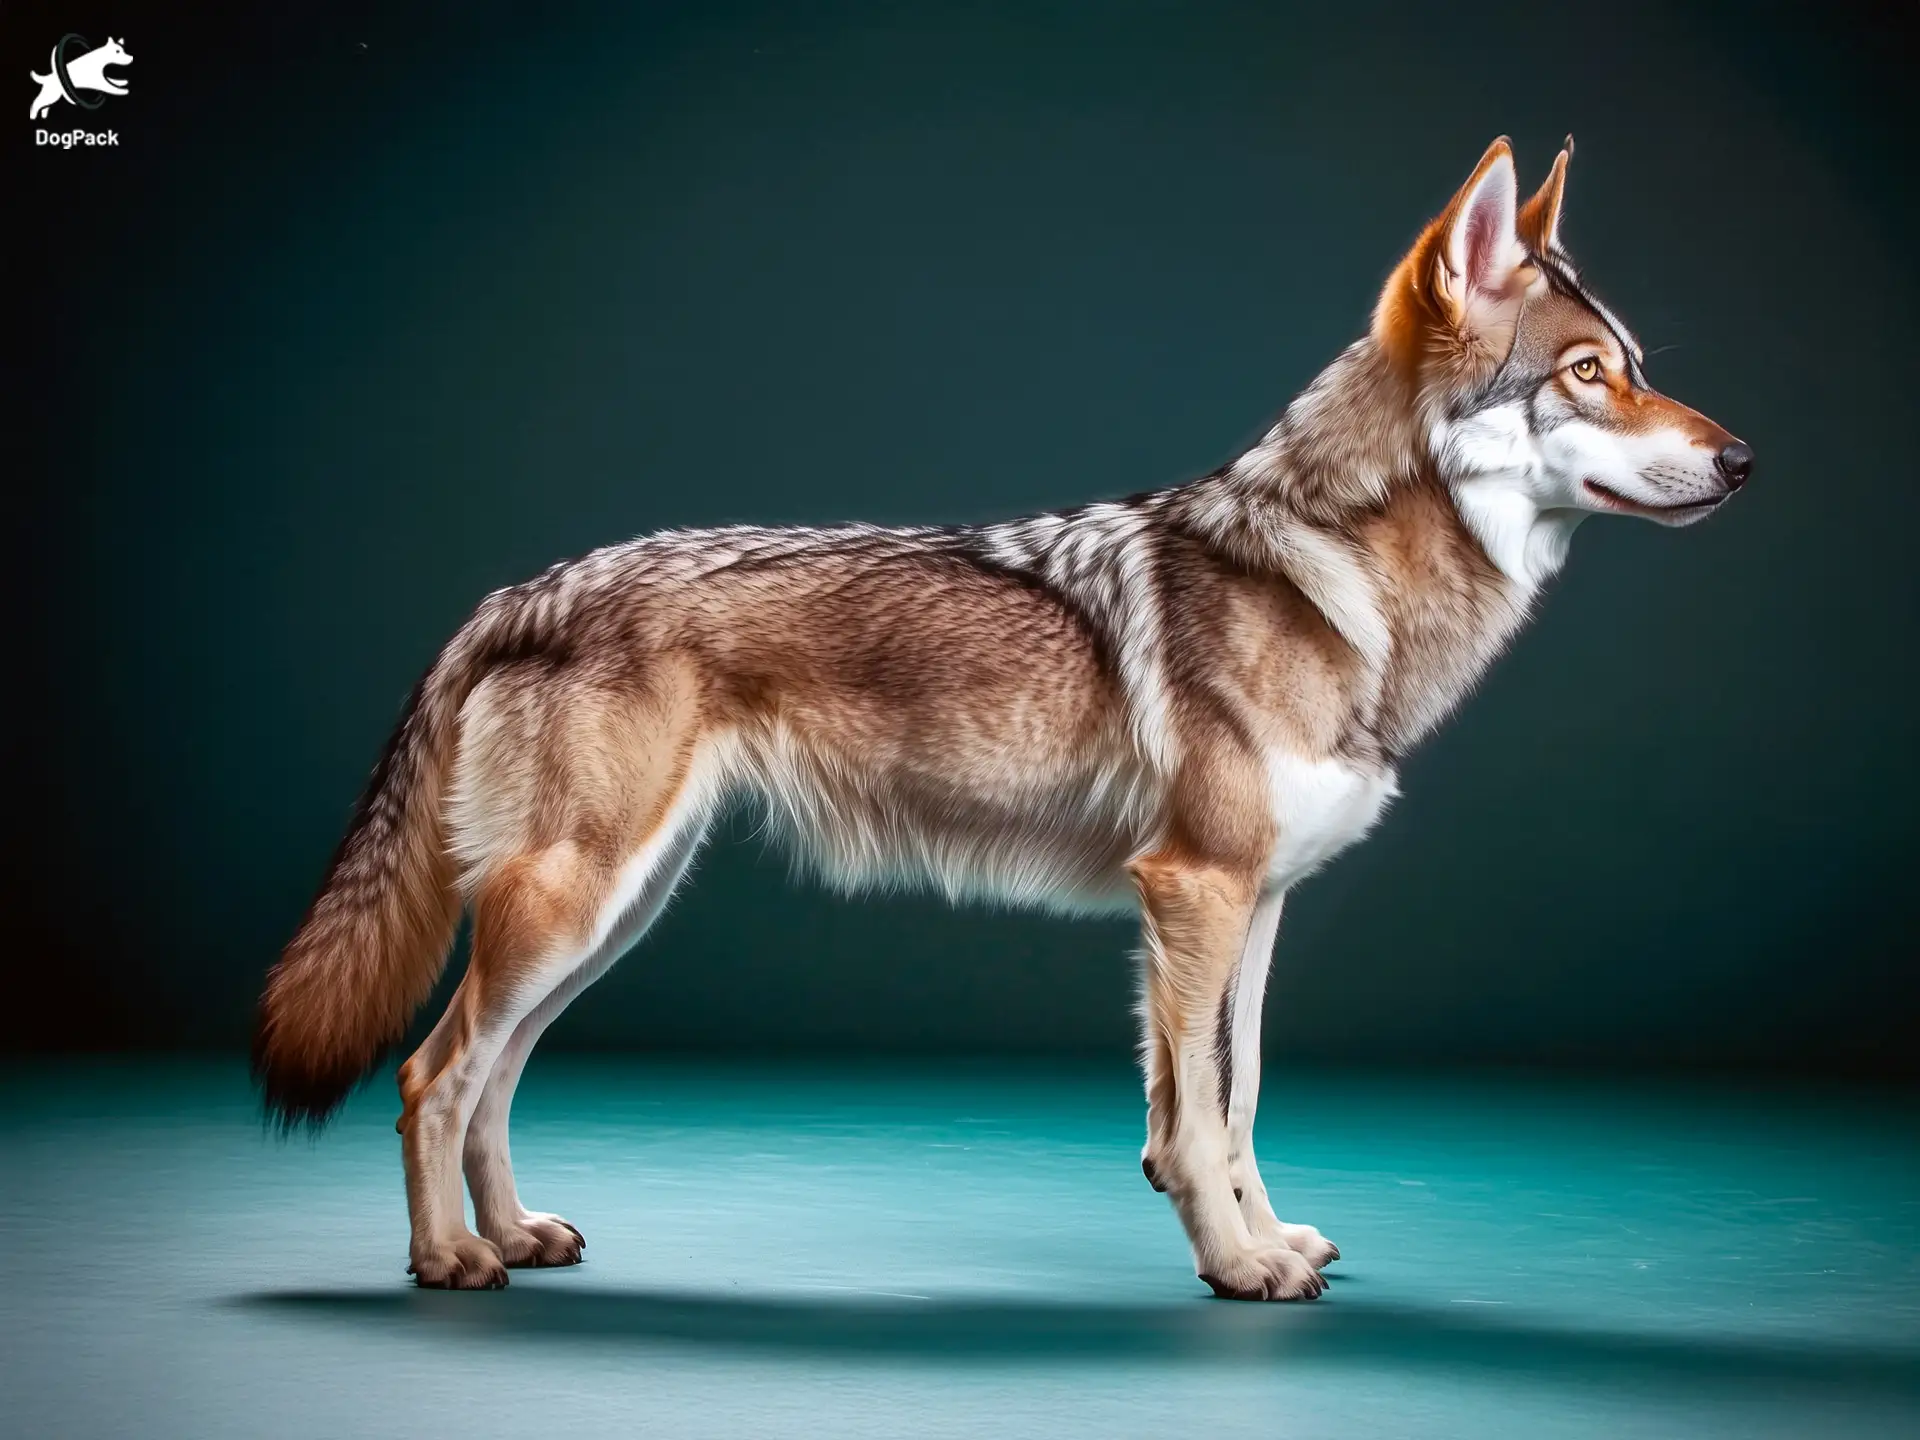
(1184, 701)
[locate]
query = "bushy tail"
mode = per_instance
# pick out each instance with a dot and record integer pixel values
(377, 935)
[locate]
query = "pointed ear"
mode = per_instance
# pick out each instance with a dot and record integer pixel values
(1459, 290)
(1539, 218)
(1480, 246)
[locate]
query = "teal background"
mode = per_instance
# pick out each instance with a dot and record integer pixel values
(373, 310)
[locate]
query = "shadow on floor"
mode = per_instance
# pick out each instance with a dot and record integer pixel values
(1330, 1332)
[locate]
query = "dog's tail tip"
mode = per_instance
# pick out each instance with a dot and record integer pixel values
(304, 1096)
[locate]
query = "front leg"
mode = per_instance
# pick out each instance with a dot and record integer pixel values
(1196, 922)
(1243, 1026)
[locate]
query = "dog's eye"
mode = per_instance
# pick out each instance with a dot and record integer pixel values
(1587, 369)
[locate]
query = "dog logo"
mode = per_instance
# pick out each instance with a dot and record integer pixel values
(73, 77)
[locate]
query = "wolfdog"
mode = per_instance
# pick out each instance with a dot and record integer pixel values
(1182, 702)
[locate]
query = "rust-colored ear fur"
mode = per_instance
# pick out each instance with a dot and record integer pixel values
(1448, 310)
(1539, 219)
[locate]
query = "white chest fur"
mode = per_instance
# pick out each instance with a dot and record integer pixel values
(1320, 808)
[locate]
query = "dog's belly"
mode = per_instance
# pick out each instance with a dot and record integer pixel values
(1027, 836)
(1320, 807)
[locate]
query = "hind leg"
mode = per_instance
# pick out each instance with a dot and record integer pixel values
(533, 927)
(522, 1236)
(530, 1237)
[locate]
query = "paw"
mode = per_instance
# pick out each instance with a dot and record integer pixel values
(536, 1241)
(1265, 1273)
(1309, 1244)
(467, 1263)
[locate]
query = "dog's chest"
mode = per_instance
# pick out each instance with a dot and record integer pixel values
(1320, 807)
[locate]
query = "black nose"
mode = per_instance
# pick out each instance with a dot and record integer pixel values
(1735, 464)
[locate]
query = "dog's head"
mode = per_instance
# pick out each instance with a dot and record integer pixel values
(113, 53)
(1523, 375)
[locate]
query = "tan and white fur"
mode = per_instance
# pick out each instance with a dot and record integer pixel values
(1183, 702)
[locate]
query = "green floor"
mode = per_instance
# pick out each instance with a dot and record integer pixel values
(889, 1251)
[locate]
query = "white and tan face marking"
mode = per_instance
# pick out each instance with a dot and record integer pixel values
(1572, 430)
(1610, 447)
